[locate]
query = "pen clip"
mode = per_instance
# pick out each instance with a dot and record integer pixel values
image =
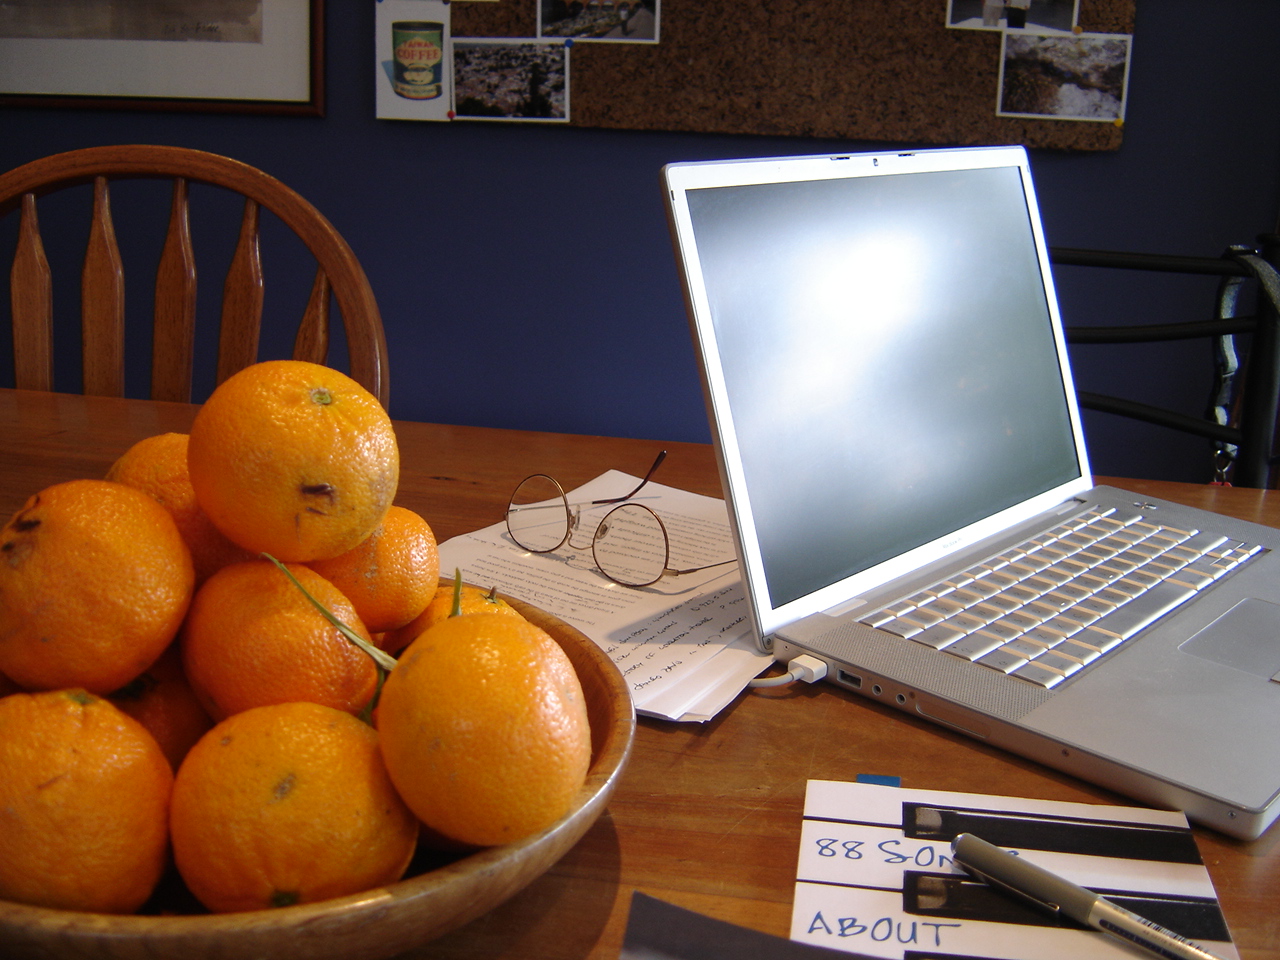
(1023, 895)
(967, 843)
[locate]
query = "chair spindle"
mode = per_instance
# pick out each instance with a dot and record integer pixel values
(242, 300)
(173, 337)
(312, 341)
(31, 300)
(102, 302)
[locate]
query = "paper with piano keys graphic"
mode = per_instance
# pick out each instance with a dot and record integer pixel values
(875, 874)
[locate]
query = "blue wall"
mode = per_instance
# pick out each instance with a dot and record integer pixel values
(525, 273)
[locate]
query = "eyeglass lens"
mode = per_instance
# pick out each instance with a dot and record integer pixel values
(630, 546)
(538, 516)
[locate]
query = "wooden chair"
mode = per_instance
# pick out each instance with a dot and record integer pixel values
(102, 278)
(1243, 408)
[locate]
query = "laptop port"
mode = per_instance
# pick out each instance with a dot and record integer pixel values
(849, 679)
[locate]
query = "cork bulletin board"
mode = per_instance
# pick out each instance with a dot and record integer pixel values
(882, 70)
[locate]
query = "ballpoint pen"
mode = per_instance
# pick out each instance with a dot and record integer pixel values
(1024, 879)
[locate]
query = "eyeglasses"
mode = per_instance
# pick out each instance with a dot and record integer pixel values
(630, 544)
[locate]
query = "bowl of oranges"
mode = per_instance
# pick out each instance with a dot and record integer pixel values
(242, 715)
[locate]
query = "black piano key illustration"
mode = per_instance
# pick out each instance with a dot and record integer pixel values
(1058, 834)
(957, 897)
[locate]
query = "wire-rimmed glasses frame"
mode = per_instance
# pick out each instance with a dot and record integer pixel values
(630, 544)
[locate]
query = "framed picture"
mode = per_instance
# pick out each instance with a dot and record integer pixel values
(231, 56)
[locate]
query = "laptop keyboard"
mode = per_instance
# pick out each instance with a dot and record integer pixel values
(1050, 606)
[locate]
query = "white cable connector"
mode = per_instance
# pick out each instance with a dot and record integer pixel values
(804, 667)
(811, 669)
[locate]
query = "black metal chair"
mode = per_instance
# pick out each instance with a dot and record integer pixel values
(1241, 412)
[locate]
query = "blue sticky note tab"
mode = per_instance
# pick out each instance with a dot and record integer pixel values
(879, 779)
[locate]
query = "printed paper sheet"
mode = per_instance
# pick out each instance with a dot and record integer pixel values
(683, 645)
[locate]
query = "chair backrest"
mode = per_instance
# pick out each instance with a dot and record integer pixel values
(102, 278)
(1243, 406)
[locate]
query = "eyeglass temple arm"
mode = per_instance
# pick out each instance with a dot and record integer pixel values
(709, 566)
(653, 469)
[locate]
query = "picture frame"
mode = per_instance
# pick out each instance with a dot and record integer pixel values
(208, 56)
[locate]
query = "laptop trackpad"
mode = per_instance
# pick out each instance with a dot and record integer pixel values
(1246, 637)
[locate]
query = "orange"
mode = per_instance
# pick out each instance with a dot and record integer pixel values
(158, 466)
(474, 600)
(391, 576)
(287, 804)
(84, 800)
(293, 459)
(162, 701)
(252, 638)
(94, 582)
(484, 729)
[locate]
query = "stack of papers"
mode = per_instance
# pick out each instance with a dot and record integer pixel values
(683, 645)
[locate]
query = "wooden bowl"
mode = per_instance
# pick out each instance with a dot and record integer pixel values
(377, 923)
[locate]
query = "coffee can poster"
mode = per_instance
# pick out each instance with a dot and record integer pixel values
(414, 72)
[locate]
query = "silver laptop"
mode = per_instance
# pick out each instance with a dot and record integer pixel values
(901, 452)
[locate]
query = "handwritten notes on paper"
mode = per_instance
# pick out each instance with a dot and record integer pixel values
(875, 874)
(683, 644)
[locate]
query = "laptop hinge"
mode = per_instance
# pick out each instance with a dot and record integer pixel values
(840, 609)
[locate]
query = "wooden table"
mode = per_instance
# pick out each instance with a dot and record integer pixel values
(707, 816)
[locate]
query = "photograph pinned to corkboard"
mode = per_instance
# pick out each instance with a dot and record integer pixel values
(1081, 76)
(1063, 15)
(892, 72)
(510, 80)
(606, 21)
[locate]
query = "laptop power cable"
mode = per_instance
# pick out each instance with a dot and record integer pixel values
(804, 667)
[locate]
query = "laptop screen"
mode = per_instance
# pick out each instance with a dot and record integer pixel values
(886, 351)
